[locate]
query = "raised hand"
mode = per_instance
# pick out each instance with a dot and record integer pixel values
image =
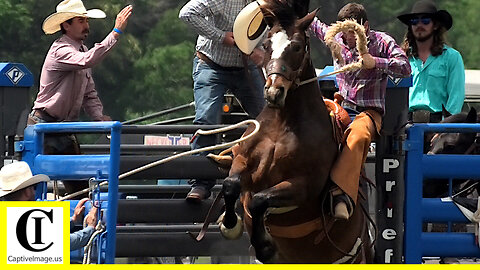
(368, 61)
(122, 18)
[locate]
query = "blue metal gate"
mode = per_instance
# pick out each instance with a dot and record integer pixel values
(419, 166)
(105, 167)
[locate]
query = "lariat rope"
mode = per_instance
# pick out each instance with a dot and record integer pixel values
(191, 152)
(335, 47)
(88, 247)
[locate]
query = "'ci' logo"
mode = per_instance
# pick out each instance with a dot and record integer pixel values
(22, 230)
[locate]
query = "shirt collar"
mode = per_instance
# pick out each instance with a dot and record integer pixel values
(74, 43)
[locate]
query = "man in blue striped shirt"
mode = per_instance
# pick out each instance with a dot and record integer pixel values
(218, 66)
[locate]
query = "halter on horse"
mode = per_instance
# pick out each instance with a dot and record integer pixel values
(282, 172)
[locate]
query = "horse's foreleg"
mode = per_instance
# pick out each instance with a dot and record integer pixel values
(281, 198)
(231, 224)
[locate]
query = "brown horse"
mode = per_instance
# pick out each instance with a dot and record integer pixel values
(282, 172)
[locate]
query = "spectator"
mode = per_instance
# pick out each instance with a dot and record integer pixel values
(18, 184)
(219, 65)
(80, 238)
(364, 91)
(66, 83)
(437, 69)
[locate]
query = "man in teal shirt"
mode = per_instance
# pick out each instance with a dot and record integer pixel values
(437, 69)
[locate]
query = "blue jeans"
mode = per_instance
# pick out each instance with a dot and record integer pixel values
(210, 83)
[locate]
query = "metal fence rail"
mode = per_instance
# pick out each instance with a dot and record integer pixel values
(417, 209)
(73, 167)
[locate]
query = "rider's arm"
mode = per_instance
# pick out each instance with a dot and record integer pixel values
(396, 63)
(318, 28)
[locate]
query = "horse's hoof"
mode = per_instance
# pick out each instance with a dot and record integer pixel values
(267, 254)
(233, 233)
(341, 211)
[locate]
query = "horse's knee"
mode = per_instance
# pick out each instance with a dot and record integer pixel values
(258, 204)
(231, 230)
(231, 186)
(231, 190)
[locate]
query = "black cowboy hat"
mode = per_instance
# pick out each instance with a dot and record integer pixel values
(427, 7)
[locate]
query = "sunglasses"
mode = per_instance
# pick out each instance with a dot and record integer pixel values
(423, 20)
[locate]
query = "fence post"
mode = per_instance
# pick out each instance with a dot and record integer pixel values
(413, 195)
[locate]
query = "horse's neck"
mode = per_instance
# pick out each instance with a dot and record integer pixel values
(306, 99)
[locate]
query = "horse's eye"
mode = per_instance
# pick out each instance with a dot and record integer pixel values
(266, 44)
(296, 47)
(449, 147)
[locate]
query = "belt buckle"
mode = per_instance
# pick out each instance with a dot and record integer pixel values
(36, 118)
(421, 116)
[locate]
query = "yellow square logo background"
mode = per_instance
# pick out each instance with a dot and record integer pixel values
(34, 204)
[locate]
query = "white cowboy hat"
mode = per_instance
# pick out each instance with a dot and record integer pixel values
(66, 10)
(249, 27)
(16, 176)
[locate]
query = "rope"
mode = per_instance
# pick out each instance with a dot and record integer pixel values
(335, 47)
(191, 152)
(314, 79)
(88, 247)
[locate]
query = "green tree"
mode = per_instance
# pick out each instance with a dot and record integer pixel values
(165, 68)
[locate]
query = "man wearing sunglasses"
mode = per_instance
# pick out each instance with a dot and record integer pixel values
(437, 69)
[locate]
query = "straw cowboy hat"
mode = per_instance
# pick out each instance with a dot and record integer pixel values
(66, 10)
(17, 175)
(249, 27)
(427, 7)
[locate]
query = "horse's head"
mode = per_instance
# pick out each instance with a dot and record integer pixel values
(455, 143)
(287, 51)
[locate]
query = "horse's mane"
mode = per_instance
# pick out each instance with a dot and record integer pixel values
(458, 118)
(286, 11)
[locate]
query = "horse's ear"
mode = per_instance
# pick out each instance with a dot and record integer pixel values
(445, 112)
(472, 116)
(268, 16)
(305, 22)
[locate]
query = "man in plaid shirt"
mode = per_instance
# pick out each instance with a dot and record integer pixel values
(364, 91)
(218, 66)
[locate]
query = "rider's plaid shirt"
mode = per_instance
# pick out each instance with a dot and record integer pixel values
(211, 19)
(366, 88)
